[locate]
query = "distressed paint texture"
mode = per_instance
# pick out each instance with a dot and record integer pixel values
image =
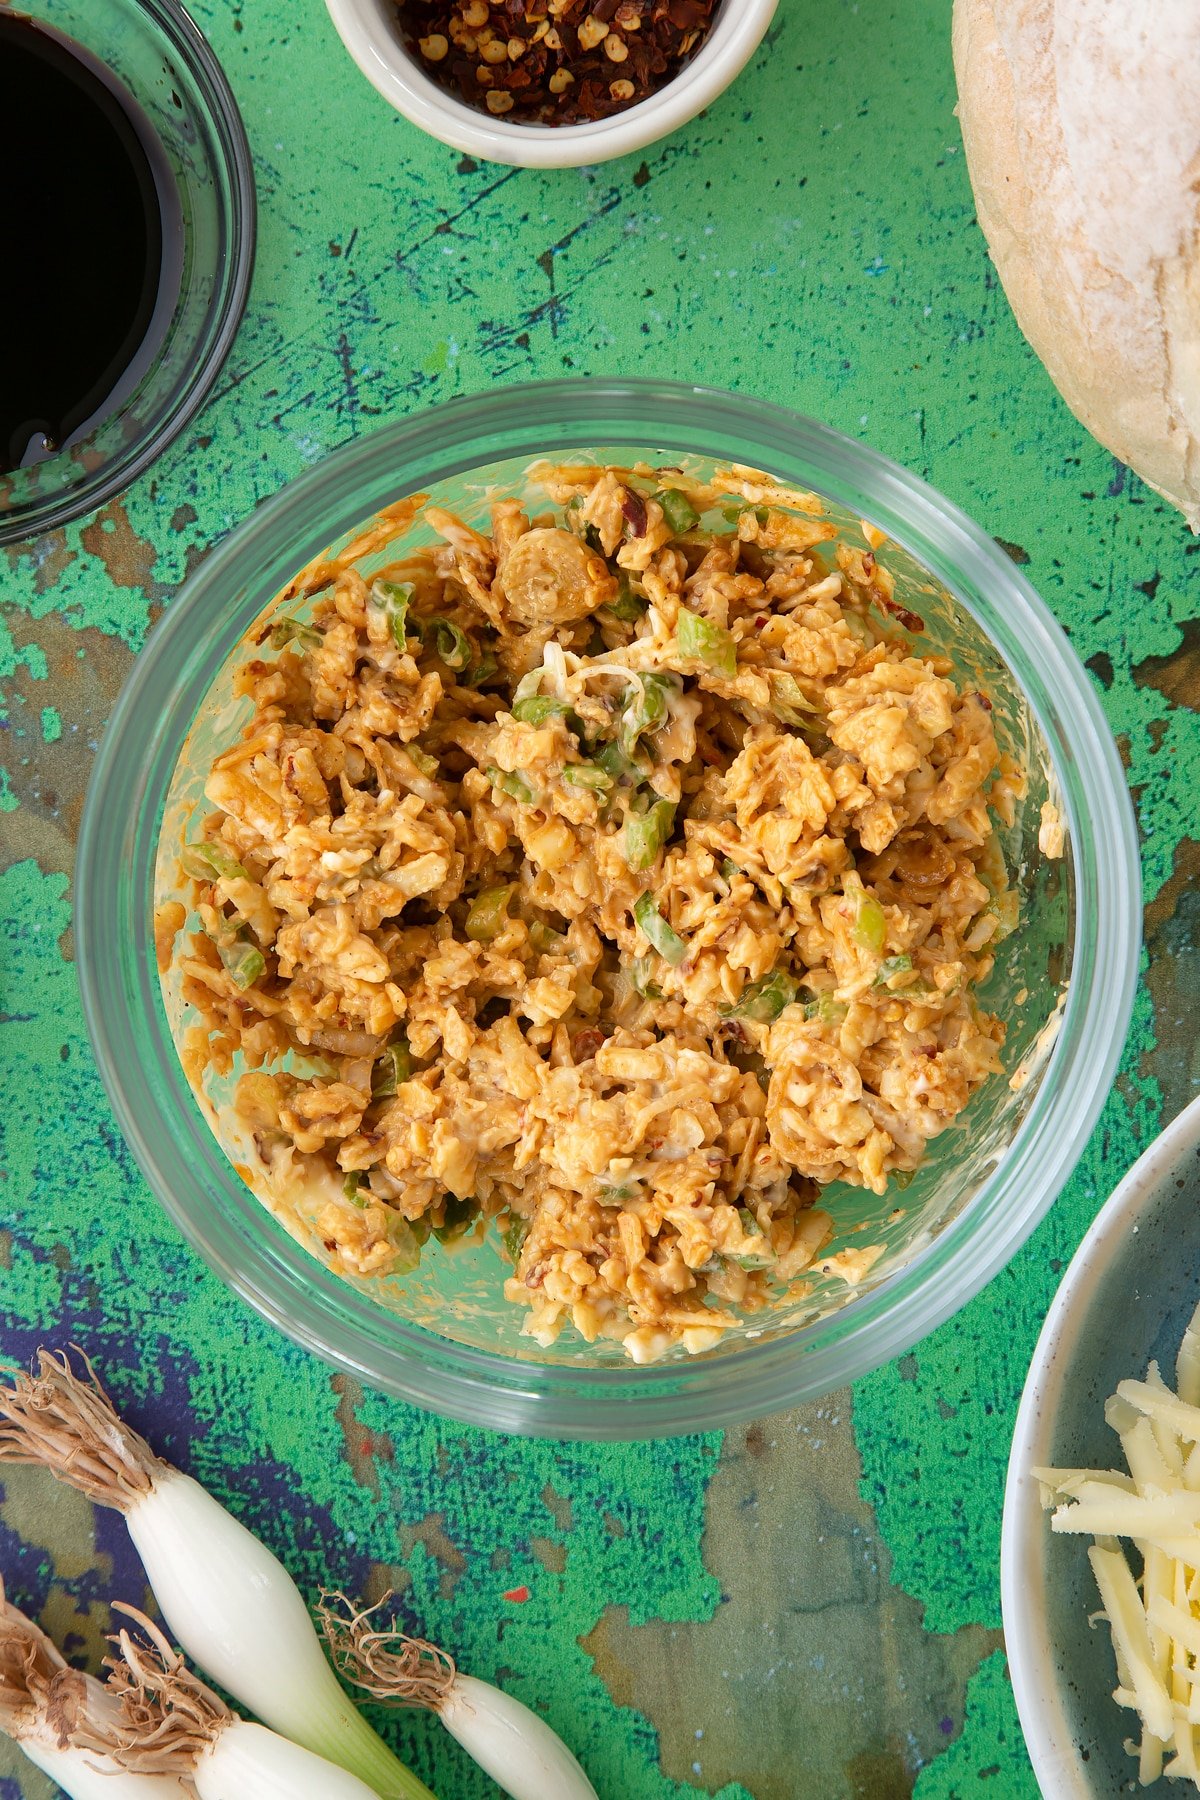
(809, 1607)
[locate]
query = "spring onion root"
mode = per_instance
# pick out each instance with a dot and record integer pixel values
(229, 1602)
(168, 1722)
(43, 1704)
(508, 1741)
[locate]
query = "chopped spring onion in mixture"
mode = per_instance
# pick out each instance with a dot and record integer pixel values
(712, 644)
(654, 928)
(229, 1601)
(428, 765)
(789, 702)
(763, 1000)
(892, 965)
(646, 833)
(392, 1069)
(544, 938)
(628, 606)
(870, 923)
(393, 598)
(1154, 1618)
(44, 1705)
(641, 973)
(537, 708)
(487, 914)
(614, 763)
(510, 1743)
(170, 1721)
(295, 631)
(458, 1219)
(210, 862)
(677, 509)
(450, 644)
(647, 710)
(510, 782)
(587, 775)
(479, 672)
(513, 1237)
(245, 962)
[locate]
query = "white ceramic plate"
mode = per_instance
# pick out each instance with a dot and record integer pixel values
(1125, 1298)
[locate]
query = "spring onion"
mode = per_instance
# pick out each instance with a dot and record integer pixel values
(647, 709)
(641, 970)
(587, 775)
(628, 606)
(826, 1009)
(295, 631)
(712, 644)
(512, 783)
(535, 709)
(169, 1721)
(612, 760)
(891, 965)
(508, 1741)
(393, 599)
(479, 672)
(513, 1237)
(646, 833)
(229, 1601)
(870, 924)
(487, 914)
(351, 1183)
(427, 765)
(763, 1000)
(244, 962)
(41, 1703)
(654, 928)
(457, 1219)
(209, 861)
(451, 645)
(544, 938)
(677, 509)
(392, 1069)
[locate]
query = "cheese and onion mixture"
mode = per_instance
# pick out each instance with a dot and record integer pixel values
(1153, 1617)
(622, 875)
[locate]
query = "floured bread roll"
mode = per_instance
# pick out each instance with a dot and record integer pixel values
(1081, 120)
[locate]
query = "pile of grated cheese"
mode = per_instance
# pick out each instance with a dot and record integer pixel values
(1154, 1618)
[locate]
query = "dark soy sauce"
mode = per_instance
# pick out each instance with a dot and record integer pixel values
(86, 210)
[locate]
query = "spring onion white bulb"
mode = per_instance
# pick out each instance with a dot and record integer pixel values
(169, 1722)
(42, 1701)
(227, 1599)
(508, 1741)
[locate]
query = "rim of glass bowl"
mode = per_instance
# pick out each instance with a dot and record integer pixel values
(150, 1095)
(231, 288)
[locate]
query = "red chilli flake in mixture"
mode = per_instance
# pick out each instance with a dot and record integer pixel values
(554, 62)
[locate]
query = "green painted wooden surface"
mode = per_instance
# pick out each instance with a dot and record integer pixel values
(809, 1607)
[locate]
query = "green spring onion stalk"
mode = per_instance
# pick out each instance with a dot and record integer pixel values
(677, 510)
(537, 708)
(544, 938)
(513, 1236)
(647, 710)
(825, 1008)
(646, 833)
(428, 765)
(480, 672)
(628, 606)
(393, 598)
(619, 767)
(587, 775)
(641, 970)
(458, 1219)
(392, 1068)
(227, 1600)
(789, 702)
(207, 861)
(510, 782)
(488, 913)
(763, 1000)
(450, 644)
(244, 962)
(351, 1183)
(711, 643)
(656, 931)
(870, 923)
(891, 965)
(294, 631)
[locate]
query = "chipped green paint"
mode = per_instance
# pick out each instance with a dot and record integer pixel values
(810, 239)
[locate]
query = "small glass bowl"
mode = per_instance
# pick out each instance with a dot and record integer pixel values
(207, 183)
(444, 1336)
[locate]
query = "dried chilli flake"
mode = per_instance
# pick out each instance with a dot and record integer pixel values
(554, 62)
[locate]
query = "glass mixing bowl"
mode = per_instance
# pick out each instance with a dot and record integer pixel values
(205, 179)
(443, 1336)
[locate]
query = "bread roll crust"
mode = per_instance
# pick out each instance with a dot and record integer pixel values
(1081, 123)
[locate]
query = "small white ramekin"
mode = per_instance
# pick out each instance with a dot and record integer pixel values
(371, 33)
